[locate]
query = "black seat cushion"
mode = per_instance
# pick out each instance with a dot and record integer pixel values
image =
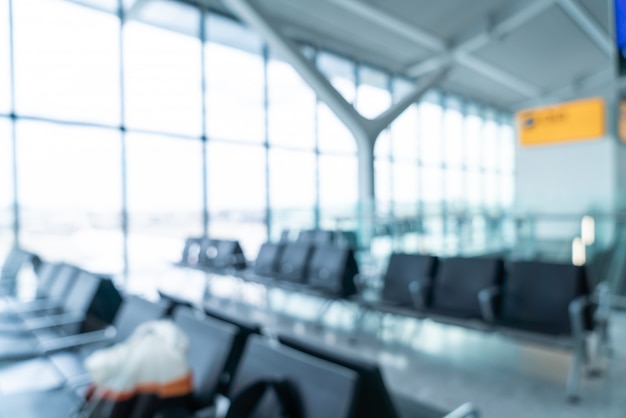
(458, 282)
(401, 271)
(536, 296)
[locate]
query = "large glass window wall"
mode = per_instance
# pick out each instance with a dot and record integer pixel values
(119, 140)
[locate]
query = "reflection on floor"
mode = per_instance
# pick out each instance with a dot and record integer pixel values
(439, 364)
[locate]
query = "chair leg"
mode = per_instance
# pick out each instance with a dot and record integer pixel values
(573, 378)
(319, 318)
(357, 326)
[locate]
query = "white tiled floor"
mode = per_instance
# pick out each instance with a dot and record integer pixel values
(442, 365)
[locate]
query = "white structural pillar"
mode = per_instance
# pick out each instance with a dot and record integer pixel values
(364, 130)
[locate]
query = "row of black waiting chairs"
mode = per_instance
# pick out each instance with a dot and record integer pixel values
(226, 356)
(70, 304)
(329, 384)
(213, 254)
(548, 302)
(326, 269)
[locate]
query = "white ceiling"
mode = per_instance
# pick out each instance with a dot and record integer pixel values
(507, 53)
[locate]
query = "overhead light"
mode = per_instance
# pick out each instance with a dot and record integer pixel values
(579, 257)
(588, 230)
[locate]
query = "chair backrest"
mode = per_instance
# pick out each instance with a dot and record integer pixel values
(192, 252)
(325, 389)
(14, 261)
(268, 259)
(306, 236)
(81, 293)
(536, 295)
(135, 311)
(459, 280)
(96, 298)
(372, 398)
(104, 304)
(401, 271)
(324, 237)
(294, 262)
(211, 342)
(217, 253)
(332, 270)
(46, 275)
(66, 274)
(246, 328)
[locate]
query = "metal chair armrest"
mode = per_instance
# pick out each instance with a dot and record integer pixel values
(79, 340)
(486, 299)
(361, 283)
(577, 315)
(53, 321)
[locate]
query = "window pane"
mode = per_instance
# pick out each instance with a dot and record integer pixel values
(507, 149)
(70, 193)
(490, 146)
(453, 132)
(339, 188)
(66, 61)
(454, 188)
(474, 189)
(333, 136)
(235, 85)
(5, 81)
(430, 140)
(164, 198)
(340, 73)
(490, 186)
(373, 95)
(382, 172)
(405, 132)
(162, 80)
(432, 184)
(405, 188)
(6, 187)
(236, 190)
(292, 104)
(473, 135)
(292, 189)
(507, 190)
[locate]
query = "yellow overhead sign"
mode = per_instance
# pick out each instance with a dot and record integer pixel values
(565, 122)
(622, 120)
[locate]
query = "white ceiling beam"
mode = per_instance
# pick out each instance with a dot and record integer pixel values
(588, 25)
(503, 23)
(388, 116)
(392, 24)
(496, 74)
(288, 50)
(427, 40)
(359, 125)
